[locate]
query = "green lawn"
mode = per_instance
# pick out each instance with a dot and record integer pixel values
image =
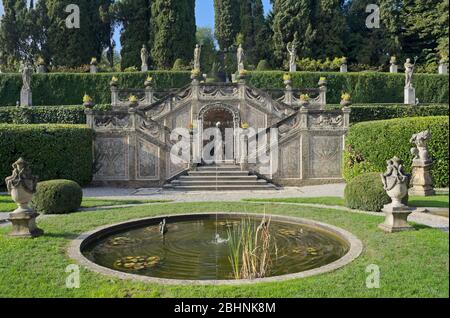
(438, 201)
(7, 205)
(412, 264)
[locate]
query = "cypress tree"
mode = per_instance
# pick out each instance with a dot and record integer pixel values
(293, 21)
(72, 47)
(227, 22)
(15, 32)
(135, 17)
(173, 23)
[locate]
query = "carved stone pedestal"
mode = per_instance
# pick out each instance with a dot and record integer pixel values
(93, 69)
(393, 68)
(144, 68)
(344, 68)
(26, 97)
(396, 219)
(410, 95)
(443, 69)
(422, 181)
(24, 224)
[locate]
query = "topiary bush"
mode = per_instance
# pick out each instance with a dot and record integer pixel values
(53, 151)
(370, 144)
(263, 65)
(57, 197)
(366, 192)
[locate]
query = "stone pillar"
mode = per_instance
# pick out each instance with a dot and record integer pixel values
(304, 118)
(89, 117)
(148, 95)
(323, 92)
(344, 68)
(393, 68)
(422, 181)
(410, 95)
(244, 151)
(346, 111)
(22, 185)
(443, 68)
(114, 95)
(26, 97)
(288, 93)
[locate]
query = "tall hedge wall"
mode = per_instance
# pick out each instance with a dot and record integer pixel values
(370, 144)
(365, 87)
(54, 151)
(69, 88)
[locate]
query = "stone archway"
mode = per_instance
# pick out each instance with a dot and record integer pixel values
(226, 118)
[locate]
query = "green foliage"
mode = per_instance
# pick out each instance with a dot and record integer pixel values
(263, 65)
(364, 112)
(53, 151)
(227, 22)
(209, 57)
(367, 87)
(370, 144)
(57, 197)
(69, 89)
(173, 23)
(366, 192)
(46, 114)
(179, 65)
(135, 18)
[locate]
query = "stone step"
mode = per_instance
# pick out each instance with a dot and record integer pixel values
(219, 182)
(221, 178)
(219, 168)
(223, 187)
(219, 173)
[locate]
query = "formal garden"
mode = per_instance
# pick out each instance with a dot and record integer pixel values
(129, 171)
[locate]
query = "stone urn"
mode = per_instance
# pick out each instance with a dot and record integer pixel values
(22, 185)
(396, 181)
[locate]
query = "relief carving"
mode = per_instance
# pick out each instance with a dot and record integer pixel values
(111, 155)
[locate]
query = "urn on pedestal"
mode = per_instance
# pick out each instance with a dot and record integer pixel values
(22, 185)
(395, 181)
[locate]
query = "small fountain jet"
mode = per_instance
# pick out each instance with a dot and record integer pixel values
(163, 227)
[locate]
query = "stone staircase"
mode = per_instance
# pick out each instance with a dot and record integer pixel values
(224, 177)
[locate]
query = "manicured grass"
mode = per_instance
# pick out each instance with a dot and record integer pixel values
(412, 264)
(438, 201)
(7, 205)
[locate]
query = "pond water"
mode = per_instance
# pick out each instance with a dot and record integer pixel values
(198, 249)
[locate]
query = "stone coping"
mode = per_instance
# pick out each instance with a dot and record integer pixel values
(76, 247)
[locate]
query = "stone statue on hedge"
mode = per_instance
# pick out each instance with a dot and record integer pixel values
(396, 182)
(22, 186)
(197, 56)
(422, 181)
(410, 92)
(25, 93)
(144, 58)
(292, 50)
(240, 58)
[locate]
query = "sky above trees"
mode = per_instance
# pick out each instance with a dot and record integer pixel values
(204, 11)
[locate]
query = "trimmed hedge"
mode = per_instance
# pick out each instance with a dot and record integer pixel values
(45, 114)
(57, 197)
(370, 144)
(53, 151)
(69, 88)
(365, 87)
(364, 112)
(366, 192)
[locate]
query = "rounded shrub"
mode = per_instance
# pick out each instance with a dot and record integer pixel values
(366, 192)
(263, 65)
(57, 197)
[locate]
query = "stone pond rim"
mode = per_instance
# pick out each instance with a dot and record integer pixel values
(77, 246)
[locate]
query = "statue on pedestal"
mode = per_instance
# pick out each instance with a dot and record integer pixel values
(22, 185)
(144, 58)
(197, 56)
(25, 92)
(409, 72)
(240, 58)
(422, 181)
(292, 57)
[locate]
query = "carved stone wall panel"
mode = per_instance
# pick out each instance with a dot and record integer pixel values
(255, 118)
(147, 161)
(112, 158)
(289, 159)
(182, 118)
(325, 157)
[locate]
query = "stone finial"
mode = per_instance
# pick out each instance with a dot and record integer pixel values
(395, 182)
(22, 185)
(422, 181)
